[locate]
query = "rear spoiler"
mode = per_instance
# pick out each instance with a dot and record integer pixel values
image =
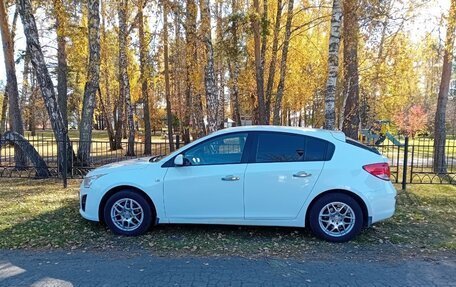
(338, 135)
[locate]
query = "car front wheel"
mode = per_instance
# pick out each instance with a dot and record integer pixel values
(336, 217)
(128, 213)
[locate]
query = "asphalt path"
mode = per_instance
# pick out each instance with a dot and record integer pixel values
(61, 268)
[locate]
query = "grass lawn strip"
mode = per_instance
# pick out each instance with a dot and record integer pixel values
(40, 214)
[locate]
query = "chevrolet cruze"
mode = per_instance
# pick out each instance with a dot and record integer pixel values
(258, 175)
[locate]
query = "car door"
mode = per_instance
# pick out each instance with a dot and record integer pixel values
(283, 171)
(210, 184)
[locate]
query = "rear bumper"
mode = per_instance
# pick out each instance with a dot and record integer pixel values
(383, 203)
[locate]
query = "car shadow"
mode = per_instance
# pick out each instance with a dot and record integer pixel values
(64, 228)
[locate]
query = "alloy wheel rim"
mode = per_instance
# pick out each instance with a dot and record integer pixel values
(336, 219)
(127, 214)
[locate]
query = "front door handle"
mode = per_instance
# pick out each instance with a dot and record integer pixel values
(230, 178)
(302, 174)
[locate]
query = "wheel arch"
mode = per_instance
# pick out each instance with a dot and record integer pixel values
(119, 188)
(353, 195)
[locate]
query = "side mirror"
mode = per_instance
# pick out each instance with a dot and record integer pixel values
(179, 160)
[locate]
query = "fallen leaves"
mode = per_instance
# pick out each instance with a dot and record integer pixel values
(42, 215)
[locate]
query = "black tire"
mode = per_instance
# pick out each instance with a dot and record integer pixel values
(319, 231)
(147, 213)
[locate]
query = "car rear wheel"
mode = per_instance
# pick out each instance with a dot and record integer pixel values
(128, 213)
(336, 217)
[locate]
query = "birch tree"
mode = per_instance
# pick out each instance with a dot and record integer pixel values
(169, 115)
(333, 66)
(92, 82)
(124, 81)
(209, 72)
(44, 79)
(220, 64)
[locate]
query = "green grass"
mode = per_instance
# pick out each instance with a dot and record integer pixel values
(73, 134)
(430, 141)
(425, 219)
(40, 214)
(97, 135)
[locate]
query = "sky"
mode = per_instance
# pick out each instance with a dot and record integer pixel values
(427, 19)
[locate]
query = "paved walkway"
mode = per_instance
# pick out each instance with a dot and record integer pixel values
(59, 268)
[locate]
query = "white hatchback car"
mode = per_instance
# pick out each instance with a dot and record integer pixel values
(258, 175)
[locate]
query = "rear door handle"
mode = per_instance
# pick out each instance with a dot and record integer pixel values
(302, 174)
(230, 178)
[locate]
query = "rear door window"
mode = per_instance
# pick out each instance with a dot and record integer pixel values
(279, 147)
(285, 147)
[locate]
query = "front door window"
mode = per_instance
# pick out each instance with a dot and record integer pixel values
(225, 149)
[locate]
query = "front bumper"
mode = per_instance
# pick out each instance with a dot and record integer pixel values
(88, 203)
(87, 216)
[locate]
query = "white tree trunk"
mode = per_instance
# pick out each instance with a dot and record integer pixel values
(123, 75)
(28, 149)
(169, 114)
(209, 73)
(333, 66)
(44, 79)
(92, 83)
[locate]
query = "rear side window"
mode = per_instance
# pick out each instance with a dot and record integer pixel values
(282, 147)
(317, 149)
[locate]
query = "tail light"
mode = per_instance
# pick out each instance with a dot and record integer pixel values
(380, 170)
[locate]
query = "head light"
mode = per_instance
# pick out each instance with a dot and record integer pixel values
(88, 180)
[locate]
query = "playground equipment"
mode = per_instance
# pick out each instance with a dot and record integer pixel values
(378, 132)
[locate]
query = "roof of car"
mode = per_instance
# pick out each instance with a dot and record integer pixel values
(317, 132)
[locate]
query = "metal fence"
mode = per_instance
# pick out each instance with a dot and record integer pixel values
(100, 154)
(411, 162)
